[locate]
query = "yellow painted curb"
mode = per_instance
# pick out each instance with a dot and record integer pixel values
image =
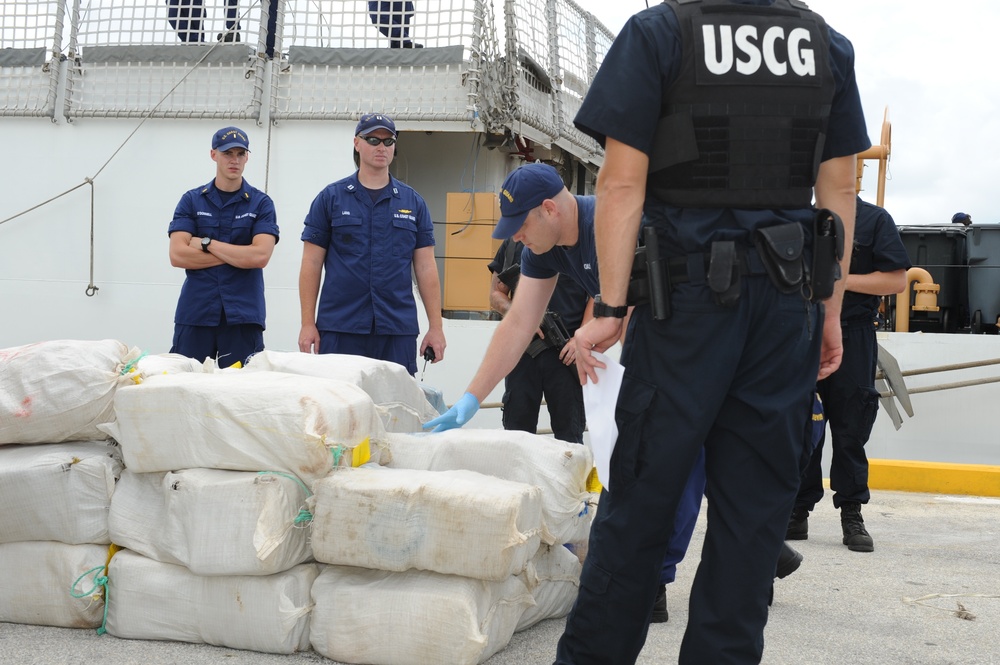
(939, 477)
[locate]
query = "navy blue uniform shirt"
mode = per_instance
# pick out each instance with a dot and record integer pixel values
(877, 245)
(624, 103)
(237, 291)
(578, 262)
(367, 286)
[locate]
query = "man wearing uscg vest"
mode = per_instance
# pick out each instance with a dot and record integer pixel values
(721, 120)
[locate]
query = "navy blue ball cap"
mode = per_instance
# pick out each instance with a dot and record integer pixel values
(960, 218)
(371, 121)
(230, 137)
(524, 190)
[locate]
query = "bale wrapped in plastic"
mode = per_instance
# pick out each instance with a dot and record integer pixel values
(213, 522)
(413, 618)
(402, 403)
(58, 391)
(58, 492)
(39, 585)
(451, 522)
(245, 421)
(150, 600)
(560, 469)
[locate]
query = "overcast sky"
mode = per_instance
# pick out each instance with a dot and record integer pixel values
(936, 72)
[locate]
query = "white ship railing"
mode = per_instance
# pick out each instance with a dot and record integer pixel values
(30, 52)
(320, 61)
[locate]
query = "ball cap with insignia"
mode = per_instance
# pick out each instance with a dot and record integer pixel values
(230, 137)
(372, 121)
(524, 190)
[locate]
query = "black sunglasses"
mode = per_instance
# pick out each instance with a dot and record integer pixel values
(374, 140)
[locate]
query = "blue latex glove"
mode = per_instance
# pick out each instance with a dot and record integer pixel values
(457, 415)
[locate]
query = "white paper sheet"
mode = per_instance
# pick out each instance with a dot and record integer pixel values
(599, 401)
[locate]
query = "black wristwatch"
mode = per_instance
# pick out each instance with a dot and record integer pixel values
(205, 242)
(604, 310)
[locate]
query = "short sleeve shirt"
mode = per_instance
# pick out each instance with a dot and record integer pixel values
(578, 262)
(209, 292)
(624, 102)
(875, 235)
(569, 299)
(367, 287)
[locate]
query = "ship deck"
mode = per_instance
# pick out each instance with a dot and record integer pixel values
(929, 594)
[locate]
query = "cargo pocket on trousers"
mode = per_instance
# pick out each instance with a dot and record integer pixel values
(868, 399)
(634, 400)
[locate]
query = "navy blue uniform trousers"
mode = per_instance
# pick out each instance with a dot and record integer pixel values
(545, 374)
(738, 383)
(850, 403)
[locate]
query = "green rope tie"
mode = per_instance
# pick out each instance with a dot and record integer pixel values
(304, 515)
(99, 581)
(337, 452)
(132, 365)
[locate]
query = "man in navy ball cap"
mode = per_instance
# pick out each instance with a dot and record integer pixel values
(524, 190)
(362, 237)
(222, 234)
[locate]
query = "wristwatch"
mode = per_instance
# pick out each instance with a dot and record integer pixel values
(602, 309)
(205, 242)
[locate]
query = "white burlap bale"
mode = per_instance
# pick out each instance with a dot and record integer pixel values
(451, 522)
(560, 469)
(402, 403)
(149, 600)
(413, 618)
(245, 421)
(60, 491)
(553, 577)
(213, 522)
(58, 391)
(38, 577)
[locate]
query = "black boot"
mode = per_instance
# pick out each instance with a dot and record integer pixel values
(855, 535)
(788, 562)
(660, 614)
(798, 525)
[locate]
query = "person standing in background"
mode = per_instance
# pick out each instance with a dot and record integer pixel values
(223, 235)
(367, 232)
(850, 401)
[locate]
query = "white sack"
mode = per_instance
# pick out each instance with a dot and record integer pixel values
(553, 577)
(149, 600)
(59, 491)
(451, 522)
(36, 580)
(559, 468)
(412, 618)
(212, 522)
(404, 407)
(59, 391)
(244, 421)
(143, 366)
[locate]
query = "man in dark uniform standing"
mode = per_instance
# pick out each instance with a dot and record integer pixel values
(223, 235)
(720, 121)
(544, 369)
(878, 268)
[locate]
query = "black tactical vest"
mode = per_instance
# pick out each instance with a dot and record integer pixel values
(744, 124)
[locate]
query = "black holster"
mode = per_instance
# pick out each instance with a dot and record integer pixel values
(649, 282)
(724, 273)
(828, 250)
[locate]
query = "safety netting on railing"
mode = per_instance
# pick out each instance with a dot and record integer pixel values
(342, 59)
(31, 36)
(166, 58)
(524, 72)
(559, 47)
